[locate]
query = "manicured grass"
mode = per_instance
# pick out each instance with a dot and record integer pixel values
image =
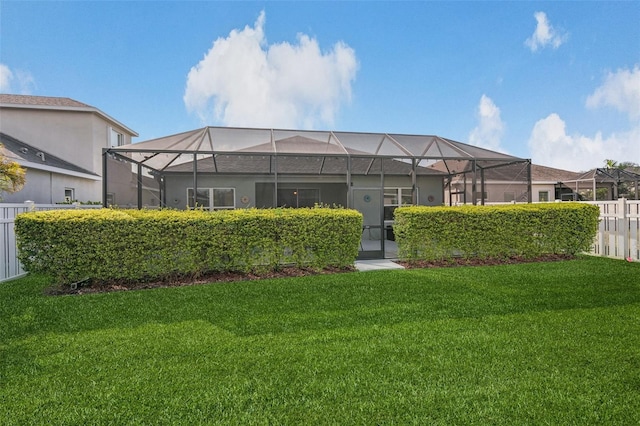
(543, 343)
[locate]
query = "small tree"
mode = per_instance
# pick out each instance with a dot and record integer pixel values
(626, 188)
(610, 164)
(12, 175)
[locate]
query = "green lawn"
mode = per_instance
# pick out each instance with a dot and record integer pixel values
(541, 343)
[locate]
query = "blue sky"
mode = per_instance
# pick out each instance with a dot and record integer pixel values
(558, 82)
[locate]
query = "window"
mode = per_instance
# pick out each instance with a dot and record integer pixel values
(111, 199)
(224, 198)
(395, 197)
(213, 198)
(298, 197)
(543, 196)
(115, 138)
(69, 195)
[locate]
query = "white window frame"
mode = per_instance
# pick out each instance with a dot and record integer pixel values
(399, 193)
(546, 196)
(69, 195)
(211, 193)
(116, 138)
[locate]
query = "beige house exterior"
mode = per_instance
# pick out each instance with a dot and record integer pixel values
(509, 184)
(59, 141)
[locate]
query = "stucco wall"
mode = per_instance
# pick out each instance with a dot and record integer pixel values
(176, 188)
(49, 188)
(77, 137)
(65, 134)
(332, 188)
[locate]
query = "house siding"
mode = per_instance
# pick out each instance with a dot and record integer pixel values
(46, 187)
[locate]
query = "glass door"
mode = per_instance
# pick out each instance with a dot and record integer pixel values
(368, 201)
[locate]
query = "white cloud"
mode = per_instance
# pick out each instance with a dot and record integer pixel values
(5, 78)
(620, 90)
(545, 34)
(16, 81)
(243, 81)
(488, 134)
(550, 145)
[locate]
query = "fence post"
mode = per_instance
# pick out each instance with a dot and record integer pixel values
(623, 226)
(602, 226)
(31, 205)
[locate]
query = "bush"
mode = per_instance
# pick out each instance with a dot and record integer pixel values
(107, 244)
(527, 230)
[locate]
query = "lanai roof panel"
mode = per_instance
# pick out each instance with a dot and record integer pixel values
(176, 149)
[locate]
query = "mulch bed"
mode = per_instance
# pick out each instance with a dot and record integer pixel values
(89, 287)
(459, 261)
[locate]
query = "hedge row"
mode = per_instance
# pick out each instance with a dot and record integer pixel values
(527, 230)
(107, 244)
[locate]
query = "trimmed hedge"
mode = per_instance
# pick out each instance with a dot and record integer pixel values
(107, 244)
(527, 230)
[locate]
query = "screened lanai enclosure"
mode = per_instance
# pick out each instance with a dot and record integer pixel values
(602, 184)
(227, 168)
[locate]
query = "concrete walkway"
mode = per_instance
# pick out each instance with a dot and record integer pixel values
(376, 265)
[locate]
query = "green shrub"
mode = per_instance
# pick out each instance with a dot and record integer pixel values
(528, 230)
(107, 244)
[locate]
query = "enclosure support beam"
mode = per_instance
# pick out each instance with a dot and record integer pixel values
(464, 193)
(104, 178)
(349, 192)
(482, 187)
(275, 181)
(163, 191)
(139, 186)
(414, 195)
(382, 230)
(474, 184)
(529, 186)
(195, 180)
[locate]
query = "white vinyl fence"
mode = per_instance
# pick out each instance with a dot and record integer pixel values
(10, 267)
(619, 229)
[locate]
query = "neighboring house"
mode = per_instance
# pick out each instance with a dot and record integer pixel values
(59, 141)
(606, 184)
(509, 184)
